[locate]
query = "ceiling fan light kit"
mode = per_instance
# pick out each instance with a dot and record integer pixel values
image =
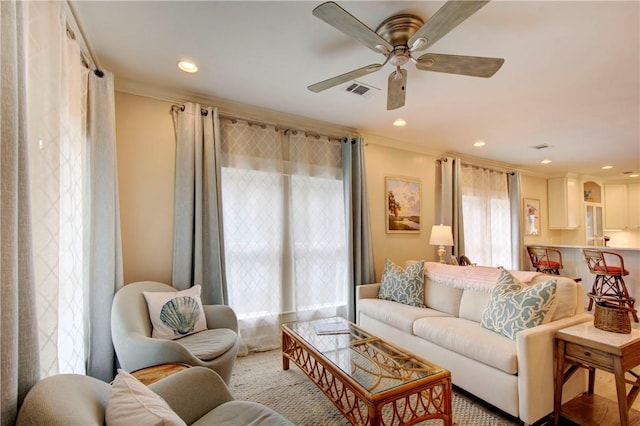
(397, 37)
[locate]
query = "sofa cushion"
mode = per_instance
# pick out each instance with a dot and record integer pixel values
(175, 314)
(209, 344)
(403, 285)
(566, 291)
(514, 306)
(468, 338)
(395, 314)
(442, 297)
(473, 304)
(132, 403)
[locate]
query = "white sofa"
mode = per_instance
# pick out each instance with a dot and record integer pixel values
(515, 376)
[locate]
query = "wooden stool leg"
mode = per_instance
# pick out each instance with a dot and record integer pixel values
(634, 312)
(594, 291)
(631, 303)
(624, 294)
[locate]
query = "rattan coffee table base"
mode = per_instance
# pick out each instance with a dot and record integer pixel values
(409, 404)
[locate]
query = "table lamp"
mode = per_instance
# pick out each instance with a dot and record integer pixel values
(441, 236)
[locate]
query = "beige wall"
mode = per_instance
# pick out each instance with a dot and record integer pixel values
(536, 188)
(146, 154)
(383, 161)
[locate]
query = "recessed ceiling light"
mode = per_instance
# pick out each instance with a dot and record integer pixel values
(399, 122)
(479, 143)
(607, 167)
(187, 66)
(545, 161)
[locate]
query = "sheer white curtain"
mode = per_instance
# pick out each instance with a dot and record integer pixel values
(486, 214)
(284, 229)
(76, 226)
(57, 109)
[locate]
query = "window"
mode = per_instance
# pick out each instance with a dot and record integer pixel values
(284, 230)
(486, 216)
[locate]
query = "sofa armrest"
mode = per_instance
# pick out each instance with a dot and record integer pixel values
(193, 392)
(367, 291)
(220, 316)
(536, 368)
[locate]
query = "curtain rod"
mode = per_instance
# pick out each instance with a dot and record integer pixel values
(475, 165)
(74, 31)
(234, 119)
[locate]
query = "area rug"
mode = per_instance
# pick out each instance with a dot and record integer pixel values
(259, 377)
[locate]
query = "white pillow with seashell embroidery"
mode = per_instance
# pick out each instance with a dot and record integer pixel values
(176, 314)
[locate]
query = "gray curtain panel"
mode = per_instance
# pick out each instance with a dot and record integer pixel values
(197, 243)
(518, 254)
(359, 240)
(451, 201)
(103, 243)
(20, 364)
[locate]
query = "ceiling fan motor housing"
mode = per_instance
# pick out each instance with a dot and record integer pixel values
(398, 29)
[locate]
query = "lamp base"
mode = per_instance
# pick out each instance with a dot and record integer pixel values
(441, 253)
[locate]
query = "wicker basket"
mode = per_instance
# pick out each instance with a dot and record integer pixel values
(611, 318)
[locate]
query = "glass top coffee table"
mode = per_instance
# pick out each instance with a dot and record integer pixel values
(370, 381)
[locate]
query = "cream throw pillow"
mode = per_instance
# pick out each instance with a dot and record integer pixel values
(176, 314)
(132, 403)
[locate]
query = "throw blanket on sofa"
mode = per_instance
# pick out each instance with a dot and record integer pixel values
(479, 278)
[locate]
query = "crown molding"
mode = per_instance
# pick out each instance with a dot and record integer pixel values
(235, 109)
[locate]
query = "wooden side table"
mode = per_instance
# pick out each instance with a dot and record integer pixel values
(586, 346)
(154, 373)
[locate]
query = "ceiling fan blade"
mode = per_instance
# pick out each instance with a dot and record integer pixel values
(455, 64)
(396, 89)
(445, 19)
(343, 78)
(342, 20)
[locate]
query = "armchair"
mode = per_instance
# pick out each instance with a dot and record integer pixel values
(197, 395)
(215, 348)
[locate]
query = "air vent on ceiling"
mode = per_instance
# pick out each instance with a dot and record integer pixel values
(541, 146)
(359, 89)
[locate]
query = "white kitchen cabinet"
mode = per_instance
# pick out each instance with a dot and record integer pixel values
(616, 206)
(622, 206)
(563, 201)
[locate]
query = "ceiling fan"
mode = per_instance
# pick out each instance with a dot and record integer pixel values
(398, 37)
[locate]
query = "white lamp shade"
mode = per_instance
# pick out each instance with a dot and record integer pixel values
(441, 235)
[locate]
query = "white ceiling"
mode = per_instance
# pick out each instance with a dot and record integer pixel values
(570, 79)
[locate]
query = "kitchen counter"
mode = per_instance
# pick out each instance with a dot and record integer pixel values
(588, 247)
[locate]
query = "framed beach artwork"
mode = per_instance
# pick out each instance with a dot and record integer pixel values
(403, 205)
(531, 216)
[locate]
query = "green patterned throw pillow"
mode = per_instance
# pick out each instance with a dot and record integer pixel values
(514, 306)
(403, 285)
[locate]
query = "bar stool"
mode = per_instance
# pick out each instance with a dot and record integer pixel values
(545, 259)
(608, 285)
(464, 261)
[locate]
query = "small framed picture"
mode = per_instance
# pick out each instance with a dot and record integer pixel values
(403, 205)
(531, 216)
